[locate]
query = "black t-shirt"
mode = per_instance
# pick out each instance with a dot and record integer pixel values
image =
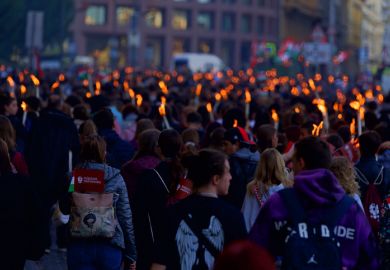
(180, 248)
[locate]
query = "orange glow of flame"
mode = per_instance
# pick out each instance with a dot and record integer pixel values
(161, 110)
(163, 87)
(361, 113)
(352, 127)
(98, 87)
(320, 105)
(139, 100)
(131, 93)
(23, 89)
(85, 83)
(115, 83)
(369, 94)
(88, 95)
(361, 99)
(380, 98)
(295, 91)
(274, 116)
(61, 77)
(55, 85)
(126, 86)
(312, 84)
(21, 76)
(249, 72)
(317, 129)
(198, 89)
(330, 79)
(378, 88)
(209, 107)
(340, 116)
(355, 105)
(128, 70)
(24, 106)
(252, 80)
(235, 123)
(224, 94)
(10, 81)
(163, 100)
(306, 91)
(297, 110)
(218, 97)
(248, 97)
(180, 79)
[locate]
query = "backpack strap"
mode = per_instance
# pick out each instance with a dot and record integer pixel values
(294, 207)
(162, 181)
(336, 212)
(378, 180)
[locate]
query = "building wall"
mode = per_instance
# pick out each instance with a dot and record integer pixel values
(253, 20)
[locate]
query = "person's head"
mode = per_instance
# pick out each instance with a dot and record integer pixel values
(80, 112)
(216, 138)
(270, 169)
(170, 143)
(8, 105)
(385, 146)
(210, 170)
(311, 153)
(244, 255)
(345, 133)
(369, 143)
(34, 103)
(194, 120)
(191, 140)
(87, 128)
(335, 140)
(5, 162)
(231, 141)
(93, 149)
(54, 102)
(7, 132)
(104, 119)
(147, 143)
(267, 137)
(342, 168)
(142, 125)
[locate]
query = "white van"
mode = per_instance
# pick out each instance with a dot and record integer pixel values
(197, 62)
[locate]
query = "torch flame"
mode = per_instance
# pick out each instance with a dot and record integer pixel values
(294, 91)
(126, 86)
(34, 80)
(274, 116)
(163, 87)
(139, 100)
(235, 123)
(55, 85)
(320, 105)
(131, 93)
(163, 100)
(209, 107)
(317, 129)
(248, 97)
(98, 87)
(23, 89)
(161, 109)
(218, 97)
(380, 98)
(24, 106)
(11, 81)
(312, 84)
(61, 77)
(198, 89)
(369, 94)
(297, 110)
(355, 105)
(352, 127)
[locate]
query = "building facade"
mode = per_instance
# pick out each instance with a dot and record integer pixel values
(149, 32)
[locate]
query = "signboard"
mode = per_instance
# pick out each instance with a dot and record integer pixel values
(317, 53)
(86, 180)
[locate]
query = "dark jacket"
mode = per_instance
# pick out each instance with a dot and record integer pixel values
(371, 169)
(150, 201)
(47, 152)
(243, 165)
(124, 234)
(132, 170)
(20, 219)
(118, 150)
(318, 190)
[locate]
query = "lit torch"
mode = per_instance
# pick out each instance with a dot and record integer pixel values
(197, 93)
(55, 85)
(275, 118)
(98, 87)
(36, 84)
(324, 111)
(132, 96)
(23, 90)
(139, 100)
(162, 112)
(209, 108)
(357, 106)
(11, 84)
(163, 87)
(248, 100)
(317, 129)
(24, 108)
(218, 98)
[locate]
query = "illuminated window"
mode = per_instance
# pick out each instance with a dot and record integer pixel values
(124, 15)
(154, 51)
(205, 46)
(205, 20)
(154, 18)
(246, 25)
(181, 19)
(228, 22)
(95, 15)
(181, 45)
(227, 52)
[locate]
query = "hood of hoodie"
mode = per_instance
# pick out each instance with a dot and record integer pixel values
(109, 172)
(245, 153)
(318, 187)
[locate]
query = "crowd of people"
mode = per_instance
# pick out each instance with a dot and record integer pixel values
(166, 170)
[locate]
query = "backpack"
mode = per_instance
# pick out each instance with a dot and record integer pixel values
(384, 231)
(312, 246)
(372, 201)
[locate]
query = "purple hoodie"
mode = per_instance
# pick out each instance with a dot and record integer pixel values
(318, 189)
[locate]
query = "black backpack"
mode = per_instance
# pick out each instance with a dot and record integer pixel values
(312, 246)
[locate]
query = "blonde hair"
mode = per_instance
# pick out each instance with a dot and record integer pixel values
(270, 170)
(342, 168)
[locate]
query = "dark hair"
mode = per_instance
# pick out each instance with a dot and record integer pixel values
(194, 117)
(5, 163)
(202, 167)
(104, 119)
(314, 152)
(216, 138)
(369, 143)
(93, 149)
(335, 140)
(7, 132)
(344, 133)
(54, 102)
(265, 134)
(5, 100)
(142, 125)
(33, 103)
(80, 112)
(244, 255)
(147, 142)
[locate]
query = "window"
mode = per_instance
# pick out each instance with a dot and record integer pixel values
(154, 51)
(228, 1)
(245, 53)
(124, 15)
(260, 26)
(180, 45)
(154, 18)
(272, 26)
(205, 46)
(227, 52)
(228, 22)
(246, 24)
(261, 3)
(95, 15)
(205, 20)
(205, 1)
(246, 2)
(181, 19)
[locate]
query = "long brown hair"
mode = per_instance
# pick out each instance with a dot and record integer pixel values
(270, 170)
(5, 163)
(93, 149)
(342, 168)
(7, 132)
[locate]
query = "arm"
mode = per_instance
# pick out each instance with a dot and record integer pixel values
(156, 266)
